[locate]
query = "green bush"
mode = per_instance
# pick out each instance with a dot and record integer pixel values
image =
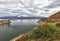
(58, 25)
(43, 31)
(46, 31)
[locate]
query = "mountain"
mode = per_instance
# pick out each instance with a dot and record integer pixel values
(21, 17)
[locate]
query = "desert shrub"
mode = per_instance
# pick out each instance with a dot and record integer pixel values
(44, 31)
(58, 25)
(23, 38)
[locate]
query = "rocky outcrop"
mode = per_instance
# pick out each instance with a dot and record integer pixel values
(4, 21)
(53, 19)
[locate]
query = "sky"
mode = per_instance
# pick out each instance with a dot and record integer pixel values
(32, 7)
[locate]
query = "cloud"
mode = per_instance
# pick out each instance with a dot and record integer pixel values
(36, 7)
(54, 4)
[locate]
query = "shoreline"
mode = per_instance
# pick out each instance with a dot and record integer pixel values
(19, 36)
(4, 22)
(14, 39)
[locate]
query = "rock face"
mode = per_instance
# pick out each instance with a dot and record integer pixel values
(4, 21)
(56, 15)
(54, 19)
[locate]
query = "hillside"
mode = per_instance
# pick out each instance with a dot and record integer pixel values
(41, 33)
(44, 32)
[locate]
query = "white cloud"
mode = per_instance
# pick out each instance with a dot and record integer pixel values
(36, 7)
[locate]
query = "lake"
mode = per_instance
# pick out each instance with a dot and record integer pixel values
(16, 27)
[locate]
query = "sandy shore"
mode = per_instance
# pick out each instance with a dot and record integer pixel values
(16, 38)
(19, 36)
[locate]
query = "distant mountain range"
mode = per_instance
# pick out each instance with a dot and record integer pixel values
(15, 17)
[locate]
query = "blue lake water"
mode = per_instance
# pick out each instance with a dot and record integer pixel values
(15, 28)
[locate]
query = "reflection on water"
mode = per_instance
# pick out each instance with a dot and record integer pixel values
(24, 22)
(17, 27)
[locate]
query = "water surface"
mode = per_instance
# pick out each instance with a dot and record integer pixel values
(15, 28)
